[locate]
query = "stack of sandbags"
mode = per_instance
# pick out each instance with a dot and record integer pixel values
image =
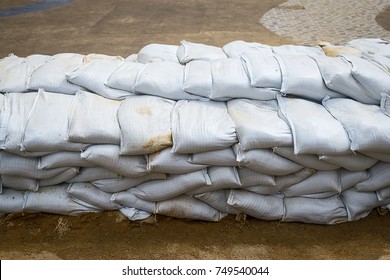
(195, 131)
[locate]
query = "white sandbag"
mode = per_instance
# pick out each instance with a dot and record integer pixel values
(93, 119)
(249, 177)
(63, 159)
(14, 118)
(373, 78)
(87, 174)
(263, 190)
(349, 179)
(285, 181)
(197, 78)
(51, 76)
(6, 65)
(125, 76)
(367, 127)
(40, 135)
(314, 130)
(167, 162)
(59, 178)
(218, 200)
(379, 60)
(351, 162)
(378, 156)
(371, 46)
(383, 194)
(188, 51)
(128, 198)
(145, 124)
(359, 204)
(11, 201)
(164, 79)
(328, 211)
(320, 182)
(263, 69)
(385, 104)
(157, 52)
(174, 185)
(337, 75)
(19, 183)
(258, 124)
(265, 207)
(54, 200)
(94, 74)
(267, 162)
(223, 157)
(134, 214)
(307, 160)
(124, 183)
(92, 195)
(236, 48)
(380, 178)
(298, 50)
(14, 165)
(107, 156)
(187, 207)
(301, 77)
(212, 130)
(16, 77)
(230, 80)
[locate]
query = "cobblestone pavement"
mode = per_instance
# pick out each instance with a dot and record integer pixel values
(336, 21)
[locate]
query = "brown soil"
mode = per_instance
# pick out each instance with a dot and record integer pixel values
(383, 18)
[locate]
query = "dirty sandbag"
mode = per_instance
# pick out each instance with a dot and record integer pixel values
(218, 200)
(265, 161)
(134, 214)
(94, 74)
(258, 124)
(87, 174)
(379, 178)
(212, 130)
(249, 177)
(263, 69)
(51, 76)
(337, 75)
(371, 46)
(40, 135)
(158, 52)
(223, 157)
(89, 193)
(93, 119)
(188, 51)
(124, 183)
(174, 185)
(320, 182)
(19, 183)
(352, 162)
(230, 80)
(16, 77)
(197, 78)
(107, 156)
(236, 48)
(63, 159)
(129, 199)
(383, 194)
(264, 207)
(314, 130)
(187, 207)
(307, 160)
(298, 50)
(302, 78)
(59, 178)
(11, 201)
(349, 179)
(125, 76)
(167, 162)
(54, 200)
(145, 124)
(367, 126)
(328, 211)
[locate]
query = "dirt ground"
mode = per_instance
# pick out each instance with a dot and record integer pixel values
(122, 28)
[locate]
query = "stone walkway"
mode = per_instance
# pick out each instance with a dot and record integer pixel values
(335, 21)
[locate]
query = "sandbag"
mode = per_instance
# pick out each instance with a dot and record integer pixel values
(298, 50)
(145, 124)
(128, 198)
(380, 178)
(371, 46)
(218, 200)
(383, 194)
(19, 183)
(107, 156)
(188, 51)
(157, 52)
(212, 130)
(258, 124)
(236, 48)
(134, 214)
(93, 119)
(385, 104)
(63, 159)
(60, 178)
(349, 179)
(314, 130)
(6, 65)
(223, 157)
(263, 190)
(11, 201)
(87, 174)
(285, 181)
(378, 156)
(367, 127)
(351, 162)
(249, 177)
(125, 76)
(197, 78)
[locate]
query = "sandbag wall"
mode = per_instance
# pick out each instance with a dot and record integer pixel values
(195, 131)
